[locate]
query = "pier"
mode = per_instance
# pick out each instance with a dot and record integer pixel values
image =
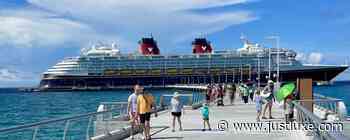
(110, 121)
(239, 112)
(222, 119)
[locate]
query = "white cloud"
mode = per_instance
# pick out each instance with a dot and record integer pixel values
(27, 28)
(37, 28)
(121, 5)
(7, 74)
(301, 57)
(169, 21)
(58, 23)
(315, 58)
(311, 58)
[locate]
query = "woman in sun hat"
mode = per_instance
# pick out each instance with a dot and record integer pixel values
(176, 109)
(269, 97)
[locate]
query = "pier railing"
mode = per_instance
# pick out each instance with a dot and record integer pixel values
(122, 127)
(332, 108)
(111, 119)
(325, 111)
(73, 127)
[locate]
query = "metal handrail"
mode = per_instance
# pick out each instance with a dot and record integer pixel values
(307, 116)
(304, 115)
(21, 127)
(113, 103)
(325, 97)
(328, 105)
(195, 98)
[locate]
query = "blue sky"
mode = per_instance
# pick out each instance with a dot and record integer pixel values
(35, 34)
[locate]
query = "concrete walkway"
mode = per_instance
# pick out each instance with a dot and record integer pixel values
(239, 112)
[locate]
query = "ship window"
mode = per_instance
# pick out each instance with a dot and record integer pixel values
(173, 56)
(157, 57)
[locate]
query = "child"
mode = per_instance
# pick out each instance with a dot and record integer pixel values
(258, 104)
(288, 108)
(205, 116)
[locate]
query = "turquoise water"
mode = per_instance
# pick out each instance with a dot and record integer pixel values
(340, 90)
(17, 108)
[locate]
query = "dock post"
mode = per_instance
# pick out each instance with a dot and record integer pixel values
(304, 86)
(161, 102)
(190, 99)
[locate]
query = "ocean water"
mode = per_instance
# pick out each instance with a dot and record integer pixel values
(18, 108)
(340, 90)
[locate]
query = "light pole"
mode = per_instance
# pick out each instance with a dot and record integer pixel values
(277, 39)
(269, 63)
(259, 55)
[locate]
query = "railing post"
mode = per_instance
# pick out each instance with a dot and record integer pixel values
(35, 132)
(66, 129)
(190, 99)
(120, 110)
(100, 116)
(341, 110)
(88, 128)
(161, 101)
(106, 123)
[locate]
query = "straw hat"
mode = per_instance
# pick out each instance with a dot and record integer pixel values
(176, 94)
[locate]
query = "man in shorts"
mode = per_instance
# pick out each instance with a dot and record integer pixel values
(145, 102)
(132, 109)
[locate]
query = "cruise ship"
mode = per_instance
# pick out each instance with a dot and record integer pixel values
(103, 66)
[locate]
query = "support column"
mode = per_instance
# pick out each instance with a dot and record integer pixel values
(304, 86)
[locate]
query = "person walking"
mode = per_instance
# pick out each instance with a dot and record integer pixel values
(258, 105)
(268, 90)
(252, 88)
(176, 110)
(208, 94)
(132, 109)
(220, 95)
(205, 116)
(244, 93)
(145, 103)
(230, 90)
(289, 108)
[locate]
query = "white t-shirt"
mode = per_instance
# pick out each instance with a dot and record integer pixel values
(133, 102)
(176, 106)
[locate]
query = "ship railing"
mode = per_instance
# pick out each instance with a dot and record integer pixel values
(326, 117)
(73, 127)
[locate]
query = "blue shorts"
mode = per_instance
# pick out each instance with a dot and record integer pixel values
(258, 107)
